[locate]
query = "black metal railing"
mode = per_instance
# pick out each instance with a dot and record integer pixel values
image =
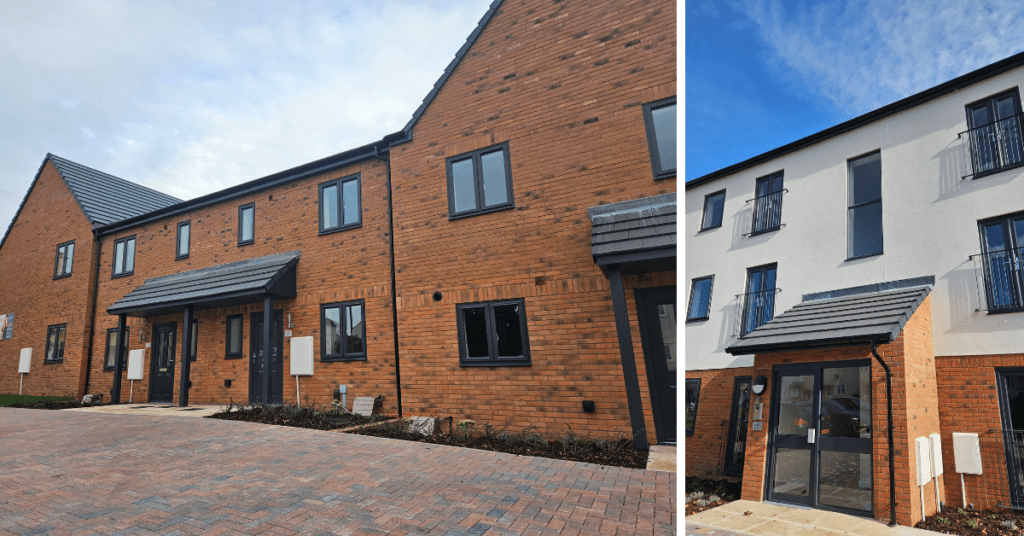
(1003, 274)
(995, 146)
(758, 308)
(1013, 448)
(767, 213)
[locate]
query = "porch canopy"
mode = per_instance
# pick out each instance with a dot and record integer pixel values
(236, 283)
(859, 315)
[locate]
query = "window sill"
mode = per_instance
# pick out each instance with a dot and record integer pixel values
(247, 243)
(495, 363)
(45, 362)
(488, 210)
(122, 274)
(340, 229)
(665, 175)
(63, 276)
(868, 256)
(765, 231)
(719, 226)
(233, 357)
(701, 319)
(181, 258)
(342, 359)
(1005, 311)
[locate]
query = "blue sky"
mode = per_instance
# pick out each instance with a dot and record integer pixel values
(760, 74)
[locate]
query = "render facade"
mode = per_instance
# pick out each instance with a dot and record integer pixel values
(473, 265)
(924, 197)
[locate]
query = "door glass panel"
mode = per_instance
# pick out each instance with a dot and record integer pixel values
(795, 397)
(667, 316)
(845, 406)
(792, 472)
(845, 480)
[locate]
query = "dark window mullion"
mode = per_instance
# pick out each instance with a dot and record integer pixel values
(492, 332)
(341, 206)
(478, 181)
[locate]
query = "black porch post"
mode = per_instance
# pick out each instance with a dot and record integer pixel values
(115, 394)
(186, 345)
(268, 326)
(636, 409)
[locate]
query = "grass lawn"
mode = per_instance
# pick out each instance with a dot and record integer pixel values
(7, 400)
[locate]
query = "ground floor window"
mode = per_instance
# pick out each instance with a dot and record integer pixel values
(108, 362)
(493, 333)
(343, 333)
(692, 396)
(55, 343)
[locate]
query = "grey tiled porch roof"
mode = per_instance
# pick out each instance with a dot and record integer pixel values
(875, 313)
(632, 226)
(217, 286)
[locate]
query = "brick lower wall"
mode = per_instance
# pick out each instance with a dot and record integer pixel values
(705, 449)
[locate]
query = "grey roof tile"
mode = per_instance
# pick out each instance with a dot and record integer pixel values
(634, 225)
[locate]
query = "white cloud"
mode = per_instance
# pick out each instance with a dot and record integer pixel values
(860, 56)
(193, 97)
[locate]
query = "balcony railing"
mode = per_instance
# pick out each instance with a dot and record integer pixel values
(994, 147)
(1003, 274)
(767, 214)
(758, 308)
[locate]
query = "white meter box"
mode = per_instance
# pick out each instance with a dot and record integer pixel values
(967, 453)
(301, 356)
(924, 462)
(135, 359)
(26, 361)
(936, 445)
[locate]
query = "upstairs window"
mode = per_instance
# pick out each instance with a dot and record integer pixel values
(700, 298)
(660, 117)
(1002, 262)
(55, 343)
(864, 226)
(65, 258)
(479, 182)
(714, 207)
(108, 361)
(343, 337)
(233, 344)
(246, 224)
(994, 134)
(493, 334)
(184, 240)
(340, 205)
(124, 256)
(759, 302)
(767, 214)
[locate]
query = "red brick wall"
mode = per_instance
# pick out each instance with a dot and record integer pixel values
(705, 449)
(50, 216)
(563, 83)
(346, 265)
(969, 403)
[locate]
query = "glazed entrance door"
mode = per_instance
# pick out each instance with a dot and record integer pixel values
(161, 383)
(794, 436)
(276, 371)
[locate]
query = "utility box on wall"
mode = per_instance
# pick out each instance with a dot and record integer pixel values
(26, 361)
(967, 453)
(135, 359)
(301, 356)
(924, 461)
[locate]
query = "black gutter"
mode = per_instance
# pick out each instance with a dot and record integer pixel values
(92, 314)
(892, 459)
(394, 286)
(956, 84)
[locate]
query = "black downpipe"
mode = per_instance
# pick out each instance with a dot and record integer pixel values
(892, 459)
(92, 313)
(394, 286)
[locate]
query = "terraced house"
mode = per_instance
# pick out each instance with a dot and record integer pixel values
(507, 257)
(855, 305)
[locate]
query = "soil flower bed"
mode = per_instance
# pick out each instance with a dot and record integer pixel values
(705, 494)
(568, 447)
(954, 520)
(299, 417)
(52, 404)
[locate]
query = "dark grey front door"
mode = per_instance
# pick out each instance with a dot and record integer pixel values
(657, 314)
(161, 377)
(256, 371)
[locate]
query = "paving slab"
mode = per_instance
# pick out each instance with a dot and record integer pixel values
(749, 518)
(90, 472)
(662, 458)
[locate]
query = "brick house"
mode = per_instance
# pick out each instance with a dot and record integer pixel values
(507, 257)
(890, 243)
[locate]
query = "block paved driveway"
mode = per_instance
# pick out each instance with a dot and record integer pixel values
(64, 472)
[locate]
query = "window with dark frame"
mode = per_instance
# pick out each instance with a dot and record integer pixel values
(124, 256)
(714, 208)
(767, 214)
(759, 301)
(55, 343)
(493, 333)
(233, 341)
(184, 240)
(247, 224)
(995, 133)
(65, 259)
(660, 118)
(480, 182)
(108, 361)
(700, 298)
(864, 223)
(692, 398)
(1002, 262)
(340, 205)
(193, 340)
(343, 331)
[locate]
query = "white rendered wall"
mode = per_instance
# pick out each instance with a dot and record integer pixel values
(929, 220)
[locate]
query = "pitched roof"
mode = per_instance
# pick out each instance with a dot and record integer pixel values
(874, 313)
(635, 225)
(234, 283)
(104, 198)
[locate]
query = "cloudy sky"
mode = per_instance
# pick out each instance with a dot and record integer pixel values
(763, 73)
(190, 97)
